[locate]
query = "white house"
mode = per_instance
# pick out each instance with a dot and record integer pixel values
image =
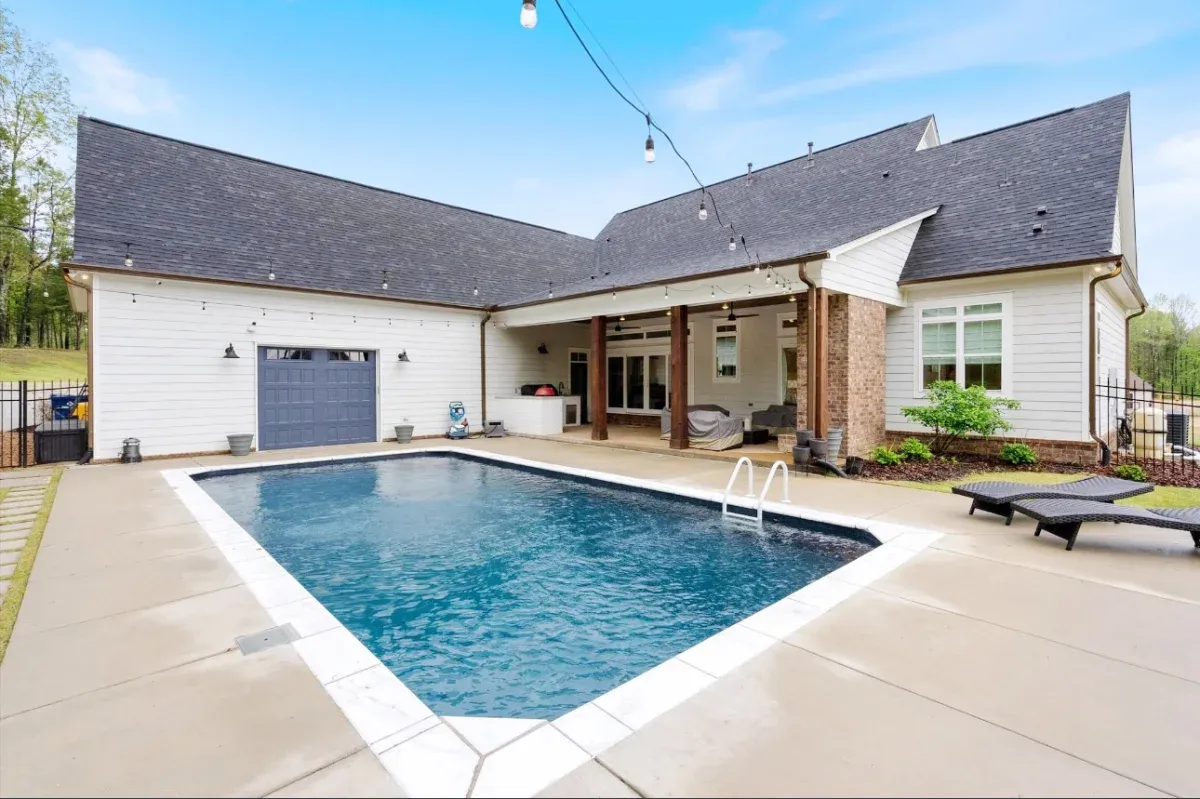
(859, 273)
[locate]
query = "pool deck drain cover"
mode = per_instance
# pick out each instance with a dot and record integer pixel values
(275, 636)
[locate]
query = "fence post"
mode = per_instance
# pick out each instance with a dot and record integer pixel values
(22, 421)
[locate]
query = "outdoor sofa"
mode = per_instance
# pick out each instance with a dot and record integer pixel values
(997, 496)
(1062, 517)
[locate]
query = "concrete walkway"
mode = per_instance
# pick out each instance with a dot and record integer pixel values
(992, 663)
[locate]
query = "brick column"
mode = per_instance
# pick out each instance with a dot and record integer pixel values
(857, 367)
(802, 362)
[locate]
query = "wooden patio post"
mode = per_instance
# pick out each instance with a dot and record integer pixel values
(818, 361)
(598, 378)
(679, 377)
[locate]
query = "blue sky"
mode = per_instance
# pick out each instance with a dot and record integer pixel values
(456, 102)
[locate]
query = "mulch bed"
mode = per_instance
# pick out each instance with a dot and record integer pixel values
(936, 470)
(1164, 473)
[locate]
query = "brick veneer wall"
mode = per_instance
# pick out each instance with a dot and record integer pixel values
(857, 367)
(802, 362)
(635, 419)
(1077, 453)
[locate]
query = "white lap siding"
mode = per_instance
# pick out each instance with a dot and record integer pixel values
(1110, 360)
(513, 359)
(159, 374)
(1049, 341)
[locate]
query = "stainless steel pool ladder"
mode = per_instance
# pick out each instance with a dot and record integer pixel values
(741, 517)
(757, 519)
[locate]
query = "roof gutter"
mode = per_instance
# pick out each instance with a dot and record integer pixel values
(116, 270)
(1105, 451)
(1009, 270)
(802, 260)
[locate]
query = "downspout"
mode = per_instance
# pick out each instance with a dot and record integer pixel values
(91, 427)
(1105, 451)
(1128, 369)
(483, 371)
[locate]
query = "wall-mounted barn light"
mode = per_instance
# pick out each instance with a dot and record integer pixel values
(403, 357)
(230, 352)
(542, 350)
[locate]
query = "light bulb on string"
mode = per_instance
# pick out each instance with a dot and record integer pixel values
(732, 244)
(712, 291)
(475, 291)
(128, 257)
(551, 289)
(666, 292)
(529, 14)
(649, 142)
(384, 284)
(703, 213)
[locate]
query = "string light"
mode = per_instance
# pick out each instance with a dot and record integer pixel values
(264, 310)
(703, 211)
(203, 305)
(529, 14)
(649, 142)
(128, 257)
(614, 294)
(666, 292)
(270, 270)
(757, 267)
(384, 284)
(135, 299)
(551, 282)
(732, 244)
(475, 291)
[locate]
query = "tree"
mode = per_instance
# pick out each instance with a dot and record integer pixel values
(1164, 343)
(37, 121)
(954, 411)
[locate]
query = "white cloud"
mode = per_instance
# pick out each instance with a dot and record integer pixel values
(1168, 212)
(712, 89)
(104, 82)
(956, 37)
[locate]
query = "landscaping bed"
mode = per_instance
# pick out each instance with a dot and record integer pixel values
(938, 470)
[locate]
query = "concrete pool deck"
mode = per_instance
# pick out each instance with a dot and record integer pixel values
(990, 663)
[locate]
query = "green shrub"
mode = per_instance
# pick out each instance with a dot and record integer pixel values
(885, 457)
(915, 449)
(1131, 471)
(1018, 454)
(954, 411)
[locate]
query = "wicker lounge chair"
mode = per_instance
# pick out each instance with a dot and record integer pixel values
(1062, 517)
(997, 496)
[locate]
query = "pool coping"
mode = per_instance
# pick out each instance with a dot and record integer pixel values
(431, 755)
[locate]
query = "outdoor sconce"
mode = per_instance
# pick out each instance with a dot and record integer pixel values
(229, 351)
(542, 350)
(403, 357)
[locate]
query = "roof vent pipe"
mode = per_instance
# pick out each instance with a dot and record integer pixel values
(749, 171)
(810, 158)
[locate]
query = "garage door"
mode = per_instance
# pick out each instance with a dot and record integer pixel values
(309, 397)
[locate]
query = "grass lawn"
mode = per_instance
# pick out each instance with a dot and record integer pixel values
(29, 363)
(1160, 497)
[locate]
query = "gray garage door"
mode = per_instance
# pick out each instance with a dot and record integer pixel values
(308, 397)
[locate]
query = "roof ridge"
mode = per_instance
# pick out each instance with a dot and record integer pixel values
(710, 186)
(1031, 120)
(325, 176)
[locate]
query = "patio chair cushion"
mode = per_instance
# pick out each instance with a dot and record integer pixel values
(775, 417)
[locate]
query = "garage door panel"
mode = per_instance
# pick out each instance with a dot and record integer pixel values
(307, 398)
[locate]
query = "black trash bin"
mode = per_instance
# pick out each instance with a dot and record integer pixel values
(60, 440)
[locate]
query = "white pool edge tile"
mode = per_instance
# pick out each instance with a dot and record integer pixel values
(271, 582)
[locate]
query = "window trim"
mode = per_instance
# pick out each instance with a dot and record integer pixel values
(958, 303)
(781, 319)
(737, 338)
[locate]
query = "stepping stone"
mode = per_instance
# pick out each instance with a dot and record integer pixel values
(7, 556)
(10, 508)
(12, 545)
(13, 531)
(6, 569)
(4, 586)
(6, 521)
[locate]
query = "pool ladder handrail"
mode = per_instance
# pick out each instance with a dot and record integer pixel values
(729, 487)
(762, 498)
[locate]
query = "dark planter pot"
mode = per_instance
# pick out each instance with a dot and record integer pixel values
(854, 465)
(819, 447)
(803, 437)
(801, 457)
(835, 442)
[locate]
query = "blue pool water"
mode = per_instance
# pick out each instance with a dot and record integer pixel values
(496, 591)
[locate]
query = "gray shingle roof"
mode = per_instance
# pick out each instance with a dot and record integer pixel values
(194, 211)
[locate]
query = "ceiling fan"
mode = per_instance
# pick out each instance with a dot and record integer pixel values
(621, 327)
(733, 317)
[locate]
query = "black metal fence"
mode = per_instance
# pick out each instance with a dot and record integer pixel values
(1146, 425)
(25, 404)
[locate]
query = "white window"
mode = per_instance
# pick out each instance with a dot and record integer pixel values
(726, 350)
(638, 382)
(966, 341)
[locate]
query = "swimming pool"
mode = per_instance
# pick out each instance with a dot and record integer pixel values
(498, 591)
